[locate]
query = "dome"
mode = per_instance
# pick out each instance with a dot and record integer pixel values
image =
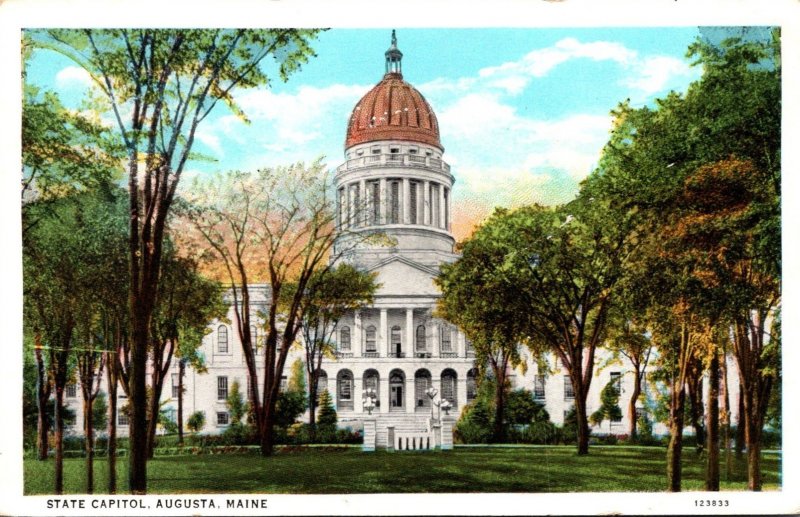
(393, 110)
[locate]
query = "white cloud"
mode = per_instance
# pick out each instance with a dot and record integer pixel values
(655, 74)
(73, 76)
(210, 140)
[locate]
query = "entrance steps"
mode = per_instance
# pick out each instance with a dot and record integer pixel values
(404, 423)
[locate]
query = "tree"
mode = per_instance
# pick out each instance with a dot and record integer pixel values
(609, 405)
(62, 255)
(277, 225)
(330, 294)
(196, 422)
(186, 303)
(159, 86)
(700, 173)
(326, 422)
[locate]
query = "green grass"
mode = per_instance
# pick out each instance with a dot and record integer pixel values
(490, 469)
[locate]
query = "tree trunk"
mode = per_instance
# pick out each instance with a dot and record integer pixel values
(267, 437)
(695, 388)
(637, 390)
(499, 403)
(137, 438)
(111, 376)
(740, 425)
(156, 385)
(725, 414)
(42, 396)
(583, 423)
(59, 474)
(754, 460)
(88, 440)
(181, 373)
(676, 438)
(712, 426)
(312, 408)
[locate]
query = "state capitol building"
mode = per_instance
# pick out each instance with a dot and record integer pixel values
(394, 180)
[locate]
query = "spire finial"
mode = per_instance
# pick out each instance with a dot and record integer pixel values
(394, 57)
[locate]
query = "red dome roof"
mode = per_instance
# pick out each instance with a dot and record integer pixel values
(393, 110)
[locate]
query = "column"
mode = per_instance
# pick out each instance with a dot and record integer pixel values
(440, 215)
(362, 203)
(411, 393)
(435, 337)
(383, 393)
(406, 202)
(358, 338)
(426, 202)
(461, 393)
(383, 216)
(410, 347)
(383, 340)
(461, 343)
(358, 396)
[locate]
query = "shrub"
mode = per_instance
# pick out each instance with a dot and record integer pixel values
(197, 421)
(475, 424)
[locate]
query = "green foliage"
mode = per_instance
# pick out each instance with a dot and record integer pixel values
(166, 422)
(100, 412)
(196, 421)
(569, 431)
(237, 407)
(297, 377)
(609, 405)
(475, 424)
(522, 409)
(326, 414)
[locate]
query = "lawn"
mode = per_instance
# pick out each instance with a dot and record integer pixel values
(486, 469)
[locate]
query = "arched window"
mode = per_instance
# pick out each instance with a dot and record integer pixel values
(396, 342)
(344, 390)
(371, 342)
(422, 382)
(344, 339)
(449, 392)
(372, 381)
(222, 339)
(421, 338)
(472, 385)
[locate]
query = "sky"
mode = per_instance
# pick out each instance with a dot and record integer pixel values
(523, 113)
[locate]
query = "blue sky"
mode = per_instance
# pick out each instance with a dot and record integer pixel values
(523, 113)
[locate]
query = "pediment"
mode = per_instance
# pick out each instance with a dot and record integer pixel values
(401, 276)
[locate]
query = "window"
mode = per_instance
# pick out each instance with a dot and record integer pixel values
(446, 342)
(122, 418)
(470, 349)
(412, 150)
(284, 384)
(449, 386)
(344, 339)
(412, 216)
(569, 392)
(538, 387)
(395, 203)
(616, 381)
(222, 388)
(446, 209)
(344, 393)
(222, 418)
(371, 346)
(72, 390)
(435, 205)
(376, 150)
(360, 152)
(421, 338)
(372, 381)
(375, 208)
(472, 385)
(222, 339)
(394, 150)
(422, 381)
(428, 153)
(355, 205)
(396, 342)
(322, 382)
(175, 387)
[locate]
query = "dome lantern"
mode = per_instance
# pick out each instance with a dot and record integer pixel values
(394, 58)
